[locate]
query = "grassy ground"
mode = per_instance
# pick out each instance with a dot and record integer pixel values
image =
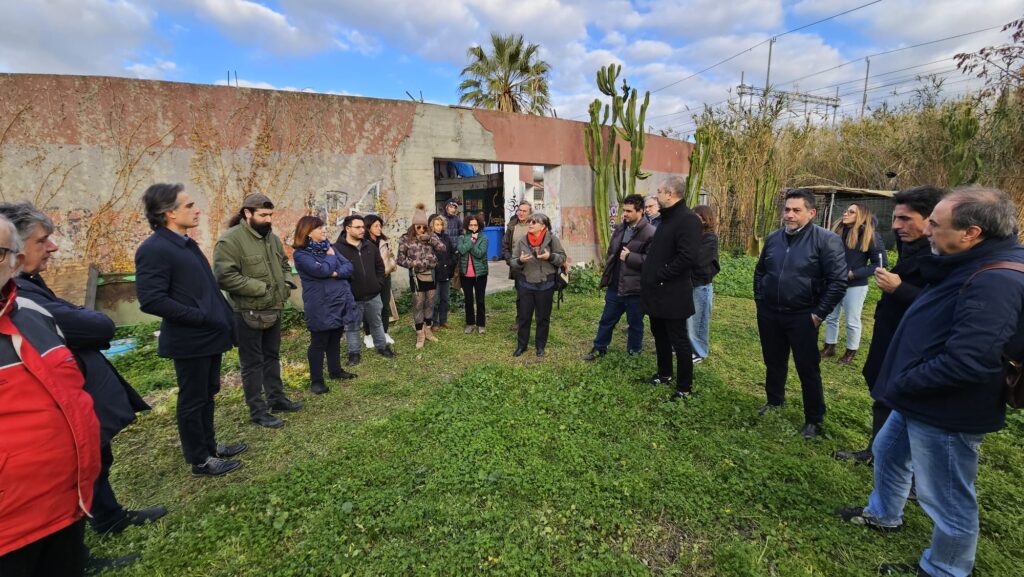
(461, 460)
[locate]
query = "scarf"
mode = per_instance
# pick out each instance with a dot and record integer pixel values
(535, 240)
(318, 248)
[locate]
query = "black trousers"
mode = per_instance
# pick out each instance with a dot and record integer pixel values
(259, 354)
(106, 511)
(784, 332)
(58, 554)
(198, 383)
(532, 303)
(670, 335)
(474, 289)
(323, 343)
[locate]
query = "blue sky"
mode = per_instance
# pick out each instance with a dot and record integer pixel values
(384, 48)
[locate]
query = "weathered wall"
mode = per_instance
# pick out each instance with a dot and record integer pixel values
(85, 148)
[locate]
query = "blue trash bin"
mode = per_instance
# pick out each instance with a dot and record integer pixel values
(494, 234)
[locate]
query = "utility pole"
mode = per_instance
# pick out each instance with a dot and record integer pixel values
(867, 73)
(768, 75)
(835, 109)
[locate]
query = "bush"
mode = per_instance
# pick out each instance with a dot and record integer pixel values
(585, 279)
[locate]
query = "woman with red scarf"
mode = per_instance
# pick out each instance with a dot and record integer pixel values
(536, 258)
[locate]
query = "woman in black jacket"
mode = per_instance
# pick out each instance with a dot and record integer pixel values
(699, 325)
(443, 272)
(864, 253)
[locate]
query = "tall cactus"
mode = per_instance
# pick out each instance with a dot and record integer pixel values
(766, 210)
(698, 163)
(599, 144)
(603, 152)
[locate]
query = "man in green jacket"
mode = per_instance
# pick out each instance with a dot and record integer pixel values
(251, 267)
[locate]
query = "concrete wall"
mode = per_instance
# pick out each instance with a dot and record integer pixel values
(85, 148)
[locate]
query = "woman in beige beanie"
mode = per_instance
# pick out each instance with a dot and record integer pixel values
(416, 253)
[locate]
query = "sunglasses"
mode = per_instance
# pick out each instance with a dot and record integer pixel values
(419, 226)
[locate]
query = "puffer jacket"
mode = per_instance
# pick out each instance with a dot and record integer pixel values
(535, 270)
(446, 262)
(327, 300)
(50, 440)
(476, 250)
(252, 270)
(802, 273)
(418, 255)
(628, 271)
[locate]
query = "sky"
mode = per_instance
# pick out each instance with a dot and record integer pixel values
(386, 48)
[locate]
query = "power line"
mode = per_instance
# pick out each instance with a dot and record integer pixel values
(848, 62)
(762, 43)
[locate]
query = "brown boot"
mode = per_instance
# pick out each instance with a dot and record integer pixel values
(419, 338)
(848, 357)
(428, 332)
(828, 351)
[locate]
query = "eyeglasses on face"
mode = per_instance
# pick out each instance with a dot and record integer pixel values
(4, 251)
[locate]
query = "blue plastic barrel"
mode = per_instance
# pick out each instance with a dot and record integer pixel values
(494, 234)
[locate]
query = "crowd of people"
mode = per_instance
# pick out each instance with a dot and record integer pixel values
(949, 315)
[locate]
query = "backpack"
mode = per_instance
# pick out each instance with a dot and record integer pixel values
(561, 281)
(1014, 367)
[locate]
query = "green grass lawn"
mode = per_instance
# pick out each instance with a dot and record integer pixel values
(460, 460)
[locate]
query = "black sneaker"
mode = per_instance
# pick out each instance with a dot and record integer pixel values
(902, 569)
(766, 408)
(354, 359)
(863, 456)
(857, 516)
(228, 451)
(138, 518)
(697, 359)
(657, 379)
(387, 353)
(344, 375)
(593, 355)
(286, 406)
(267, 420)
(318, 388)
(214, 467)
(810, 430)
(97, 565)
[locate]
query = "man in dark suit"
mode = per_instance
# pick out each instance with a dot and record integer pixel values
(899, 287)
(86, 333)
(798, 280)
(173, 280)
(666, 287)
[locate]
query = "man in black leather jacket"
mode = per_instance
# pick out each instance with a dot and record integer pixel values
(899, 287)
(799, 279)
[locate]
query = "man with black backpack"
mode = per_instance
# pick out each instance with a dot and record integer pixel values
(945, 377)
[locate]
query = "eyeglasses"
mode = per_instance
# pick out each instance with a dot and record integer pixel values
(4, 251)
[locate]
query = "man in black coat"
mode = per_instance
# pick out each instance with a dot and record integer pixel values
(666, 287)
(899, 287)
(623, 263)
(367, 282)
(173, 281)
(798, 280)
(86, 333)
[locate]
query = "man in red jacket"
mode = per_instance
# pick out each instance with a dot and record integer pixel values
(50, 446)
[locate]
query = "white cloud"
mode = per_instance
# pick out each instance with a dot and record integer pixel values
(72, 36)
(250, 23)
(157, 70)
(647, 50)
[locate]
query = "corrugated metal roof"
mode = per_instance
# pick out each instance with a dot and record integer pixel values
(826, 188)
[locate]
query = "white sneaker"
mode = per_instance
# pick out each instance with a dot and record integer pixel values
(368, 341)
(388, 338)
(697, 360)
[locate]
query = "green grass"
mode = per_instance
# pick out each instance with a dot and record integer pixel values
(460, 460)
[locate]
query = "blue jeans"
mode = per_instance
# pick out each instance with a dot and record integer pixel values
(371, 315)
(442, 299)
(614, 306)
(853, 304)
(699, 324)
(945, 465)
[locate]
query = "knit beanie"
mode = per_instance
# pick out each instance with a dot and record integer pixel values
(420, 216)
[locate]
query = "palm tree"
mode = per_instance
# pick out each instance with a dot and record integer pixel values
(511, 78)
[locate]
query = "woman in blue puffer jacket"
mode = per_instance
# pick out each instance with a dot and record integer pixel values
(326, 299)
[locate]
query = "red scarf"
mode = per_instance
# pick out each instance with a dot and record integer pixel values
(536, 240)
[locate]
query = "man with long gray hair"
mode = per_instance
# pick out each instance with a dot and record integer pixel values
(86, 333)
(944, 377)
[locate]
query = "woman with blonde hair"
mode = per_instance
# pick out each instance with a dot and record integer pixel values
(416, 252)
(864, 253)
